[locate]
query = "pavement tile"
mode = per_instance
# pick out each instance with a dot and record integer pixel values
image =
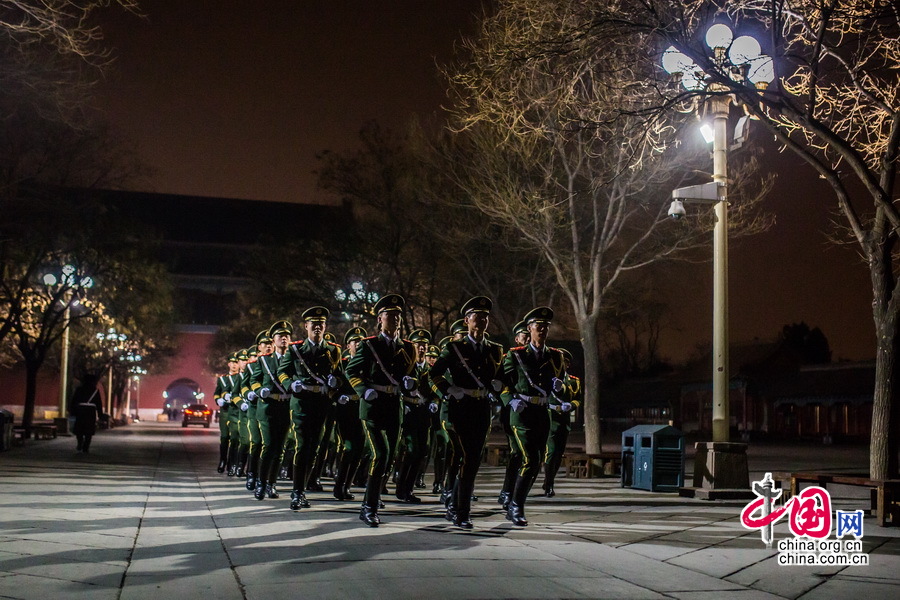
(219, 584)
(30, 587)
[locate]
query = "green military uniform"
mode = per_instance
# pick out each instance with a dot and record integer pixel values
(532, 375)
(562, 406)
(327, 448)
(311, 371)
(474, 369)
(240, 402)
(350, 436)
(514, 459)
(222, 397)
(379, 372)
(414, 429)
(451, 458)
(438, 439)
(234, 418)
(273, 414)
(252, 373)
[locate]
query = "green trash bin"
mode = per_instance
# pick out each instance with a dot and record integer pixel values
(656, 457)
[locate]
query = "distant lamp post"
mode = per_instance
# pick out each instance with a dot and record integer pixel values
(72, 284)
(114, 342)
(720, 468)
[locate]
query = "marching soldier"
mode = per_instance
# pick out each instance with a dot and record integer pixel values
(272, 410)
(251, 373)
(438, 440)
(241, 404)
(234, 417)
(473, 364)
(561, 408)
(532, 373)
(514, 460)
(311, 371)
(222, 396)
(416, 419)
(326, 446)
(351, 438)
(379, 372)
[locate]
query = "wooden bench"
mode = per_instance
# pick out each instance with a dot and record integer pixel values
(884, 493)
(580, 465)
(43, 431)
(496, 455)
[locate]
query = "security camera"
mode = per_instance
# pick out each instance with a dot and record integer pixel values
(676, 210)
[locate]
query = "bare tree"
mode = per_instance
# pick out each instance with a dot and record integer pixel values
(835, 103)
(565, 158)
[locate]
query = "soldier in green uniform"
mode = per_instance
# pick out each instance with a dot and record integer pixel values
(263, 346)
(532, 374)
(473, 364)
(437, 437)
(416, 420)
(514, 460)
(222, 396)
(561, 406)
(234, 418)
(458, 331)
(272, 410)
(350, 436)
(383, 368)
(311, 370)
(327, 447)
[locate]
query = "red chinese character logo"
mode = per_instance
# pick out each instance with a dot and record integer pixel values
(811, 513)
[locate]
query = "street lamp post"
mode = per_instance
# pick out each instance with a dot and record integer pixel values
(73, 284)
(740, 60)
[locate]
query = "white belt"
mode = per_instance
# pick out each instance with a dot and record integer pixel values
(533, 399)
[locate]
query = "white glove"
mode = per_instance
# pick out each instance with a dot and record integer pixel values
(343, 399)
(296, 386)
(370, 395)
(228, 396)
(433, 407)
(333, 382)
(244, 406)
(251, 396)
(497, 385)
(517, 405)
(221, 401)
(264, 393)
(557, 384)
(406, 409)
(455, 392)
(408, 383)
(565, 406)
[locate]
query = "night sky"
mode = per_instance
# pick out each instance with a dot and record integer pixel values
(234, 99)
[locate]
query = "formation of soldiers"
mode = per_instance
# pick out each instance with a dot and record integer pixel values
(383, 405)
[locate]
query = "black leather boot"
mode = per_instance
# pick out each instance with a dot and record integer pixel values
(341, 484)
(548, 481)
(219, 469)
(516, 511)
(271, 491)
(463, 508)
(298, 500)
(369, 516)
(260, 492)
(251, 481)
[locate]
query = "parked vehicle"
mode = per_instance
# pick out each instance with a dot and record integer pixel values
(197, 414)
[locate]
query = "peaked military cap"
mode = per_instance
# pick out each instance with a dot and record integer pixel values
(242, 355)
(481, 304)
(316, 313)
(520, 327)
(355, 333)
(433, 351)
(252, 352)
(389, 302)
(541, 314)
(329, 337)
(233, 357)
(458, 327)
(263, 337)
(443, 343)
(420, 335)
(281, 328)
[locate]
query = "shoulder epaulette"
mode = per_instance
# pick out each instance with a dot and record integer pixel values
(338, 346)
(252, 360)
(517, 348)
(267, 354)
(371, 337)
(297, 342)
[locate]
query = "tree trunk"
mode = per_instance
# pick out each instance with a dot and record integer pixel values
(883, 460)
(31, 373)
(589, 343)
